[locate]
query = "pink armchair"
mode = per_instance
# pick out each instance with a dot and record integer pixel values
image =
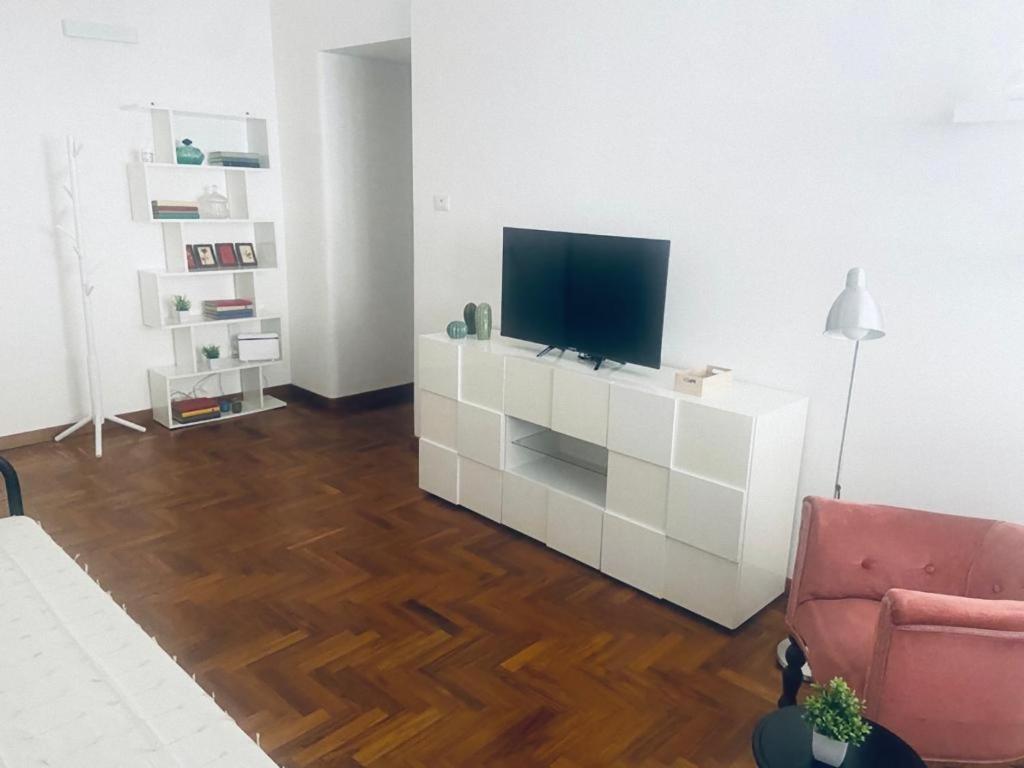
(923, 614)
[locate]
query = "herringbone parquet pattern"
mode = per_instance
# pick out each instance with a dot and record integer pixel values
(290, 561)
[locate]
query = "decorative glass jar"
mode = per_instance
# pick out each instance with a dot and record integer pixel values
(188, 154)
(213, 205)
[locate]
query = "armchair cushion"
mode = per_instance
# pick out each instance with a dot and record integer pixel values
(863, 550)
(839, 635)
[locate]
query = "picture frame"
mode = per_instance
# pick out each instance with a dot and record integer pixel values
(190, 259)
(226, 255)
(246, 255)
(205, 256)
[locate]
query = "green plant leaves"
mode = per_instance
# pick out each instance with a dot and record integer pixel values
(834, 710)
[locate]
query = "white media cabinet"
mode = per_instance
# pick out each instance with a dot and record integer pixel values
(688, 499)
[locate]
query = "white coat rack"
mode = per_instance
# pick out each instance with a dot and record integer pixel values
(96, 416)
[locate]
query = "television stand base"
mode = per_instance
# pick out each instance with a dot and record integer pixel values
(547, 349)
(592, 359)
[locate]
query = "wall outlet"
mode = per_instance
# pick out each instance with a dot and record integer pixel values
(442, 203)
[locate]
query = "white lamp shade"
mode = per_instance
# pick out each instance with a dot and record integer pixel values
(855, 315)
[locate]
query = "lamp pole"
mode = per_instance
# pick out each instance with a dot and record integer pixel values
(846, 420)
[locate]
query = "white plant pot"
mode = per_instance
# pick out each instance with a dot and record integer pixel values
(182, 315)
(219, 363)
(828, 751)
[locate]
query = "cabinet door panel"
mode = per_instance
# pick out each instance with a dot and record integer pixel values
(713, 443)
(528, 391)
(483, 376)
(640, 424)
(439, 471)
(438, 419)
(705, 514)
(579, 406)
(480, 489)
(574, 528)
(481, 435)
(703, 583)
(438, 369)
(637, 490)
(633, 553)
(524, 506)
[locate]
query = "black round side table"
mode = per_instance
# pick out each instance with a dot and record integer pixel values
(783, 740)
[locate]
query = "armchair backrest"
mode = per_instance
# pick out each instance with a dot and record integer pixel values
(998, 570)
(863, 550)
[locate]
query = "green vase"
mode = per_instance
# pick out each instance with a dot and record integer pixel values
(469, 315)
(188, 154)
(483, 321)
(456, 329)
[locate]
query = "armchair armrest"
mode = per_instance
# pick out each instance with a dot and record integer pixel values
(863, 550)
(946, 674)
(907, 608)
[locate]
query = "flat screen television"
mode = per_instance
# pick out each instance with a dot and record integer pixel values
(601, 296)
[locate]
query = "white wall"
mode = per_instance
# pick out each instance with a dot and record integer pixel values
(366, 121)
(53, 85)
(302, 31)
(776, 144)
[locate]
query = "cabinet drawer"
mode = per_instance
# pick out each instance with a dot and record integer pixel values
(574, 528)
(713, 443)
(637, 490)
(480, 489)
(524, 505)
(705, 514)
(439, 471)
(703, 583)
(438, 368)
(633, 553)
(438, 419)
(483, 376)
(579, 406)
(481, 435)
(528, 391)
(640, 424)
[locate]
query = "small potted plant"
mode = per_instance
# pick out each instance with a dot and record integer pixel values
(834, 712)
(182, 305)
(211, 354)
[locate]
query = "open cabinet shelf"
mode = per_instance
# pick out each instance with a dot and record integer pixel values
(164, 178)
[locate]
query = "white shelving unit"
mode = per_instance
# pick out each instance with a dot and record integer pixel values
(165, 178)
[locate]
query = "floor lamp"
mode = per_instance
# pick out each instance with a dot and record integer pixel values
(854, 316)
(96, 414)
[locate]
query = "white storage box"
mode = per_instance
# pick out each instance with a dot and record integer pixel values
(258, 346)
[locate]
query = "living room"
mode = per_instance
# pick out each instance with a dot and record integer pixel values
(372, 523)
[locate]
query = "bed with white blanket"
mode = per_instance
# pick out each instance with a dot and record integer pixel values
(81, 684)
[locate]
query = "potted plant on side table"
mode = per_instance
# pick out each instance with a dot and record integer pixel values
(834, 712)
(182, 305)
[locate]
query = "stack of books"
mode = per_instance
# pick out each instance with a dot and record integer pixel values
(227, 309)
(234, 159)
(175, 209)
(195, 409)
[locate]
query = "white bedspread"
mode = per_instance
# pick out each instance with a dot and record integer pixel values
(82, 686)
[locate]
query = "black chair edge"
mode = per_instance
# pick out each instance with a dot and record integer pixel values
(14, 502)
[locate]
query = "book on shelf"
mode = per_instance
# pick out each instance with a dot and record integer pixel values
(242, 314)
(227, 303)
(194, 409)
(165, 215)
(214, 414)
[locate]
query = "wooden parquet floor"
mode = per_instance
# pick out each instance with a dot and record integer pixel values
(291, 562)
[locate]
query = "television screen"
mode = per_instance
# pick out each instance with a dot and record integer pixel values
(599, 295)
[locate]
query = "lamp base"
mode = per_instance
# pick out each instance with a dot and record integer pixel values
(780, 659)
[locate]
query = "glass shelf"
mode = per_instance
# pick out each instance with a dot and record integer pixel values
(567, 449)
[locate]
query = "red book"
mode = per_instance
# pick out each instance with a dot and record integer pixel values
(193, 404)
(228, 303)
